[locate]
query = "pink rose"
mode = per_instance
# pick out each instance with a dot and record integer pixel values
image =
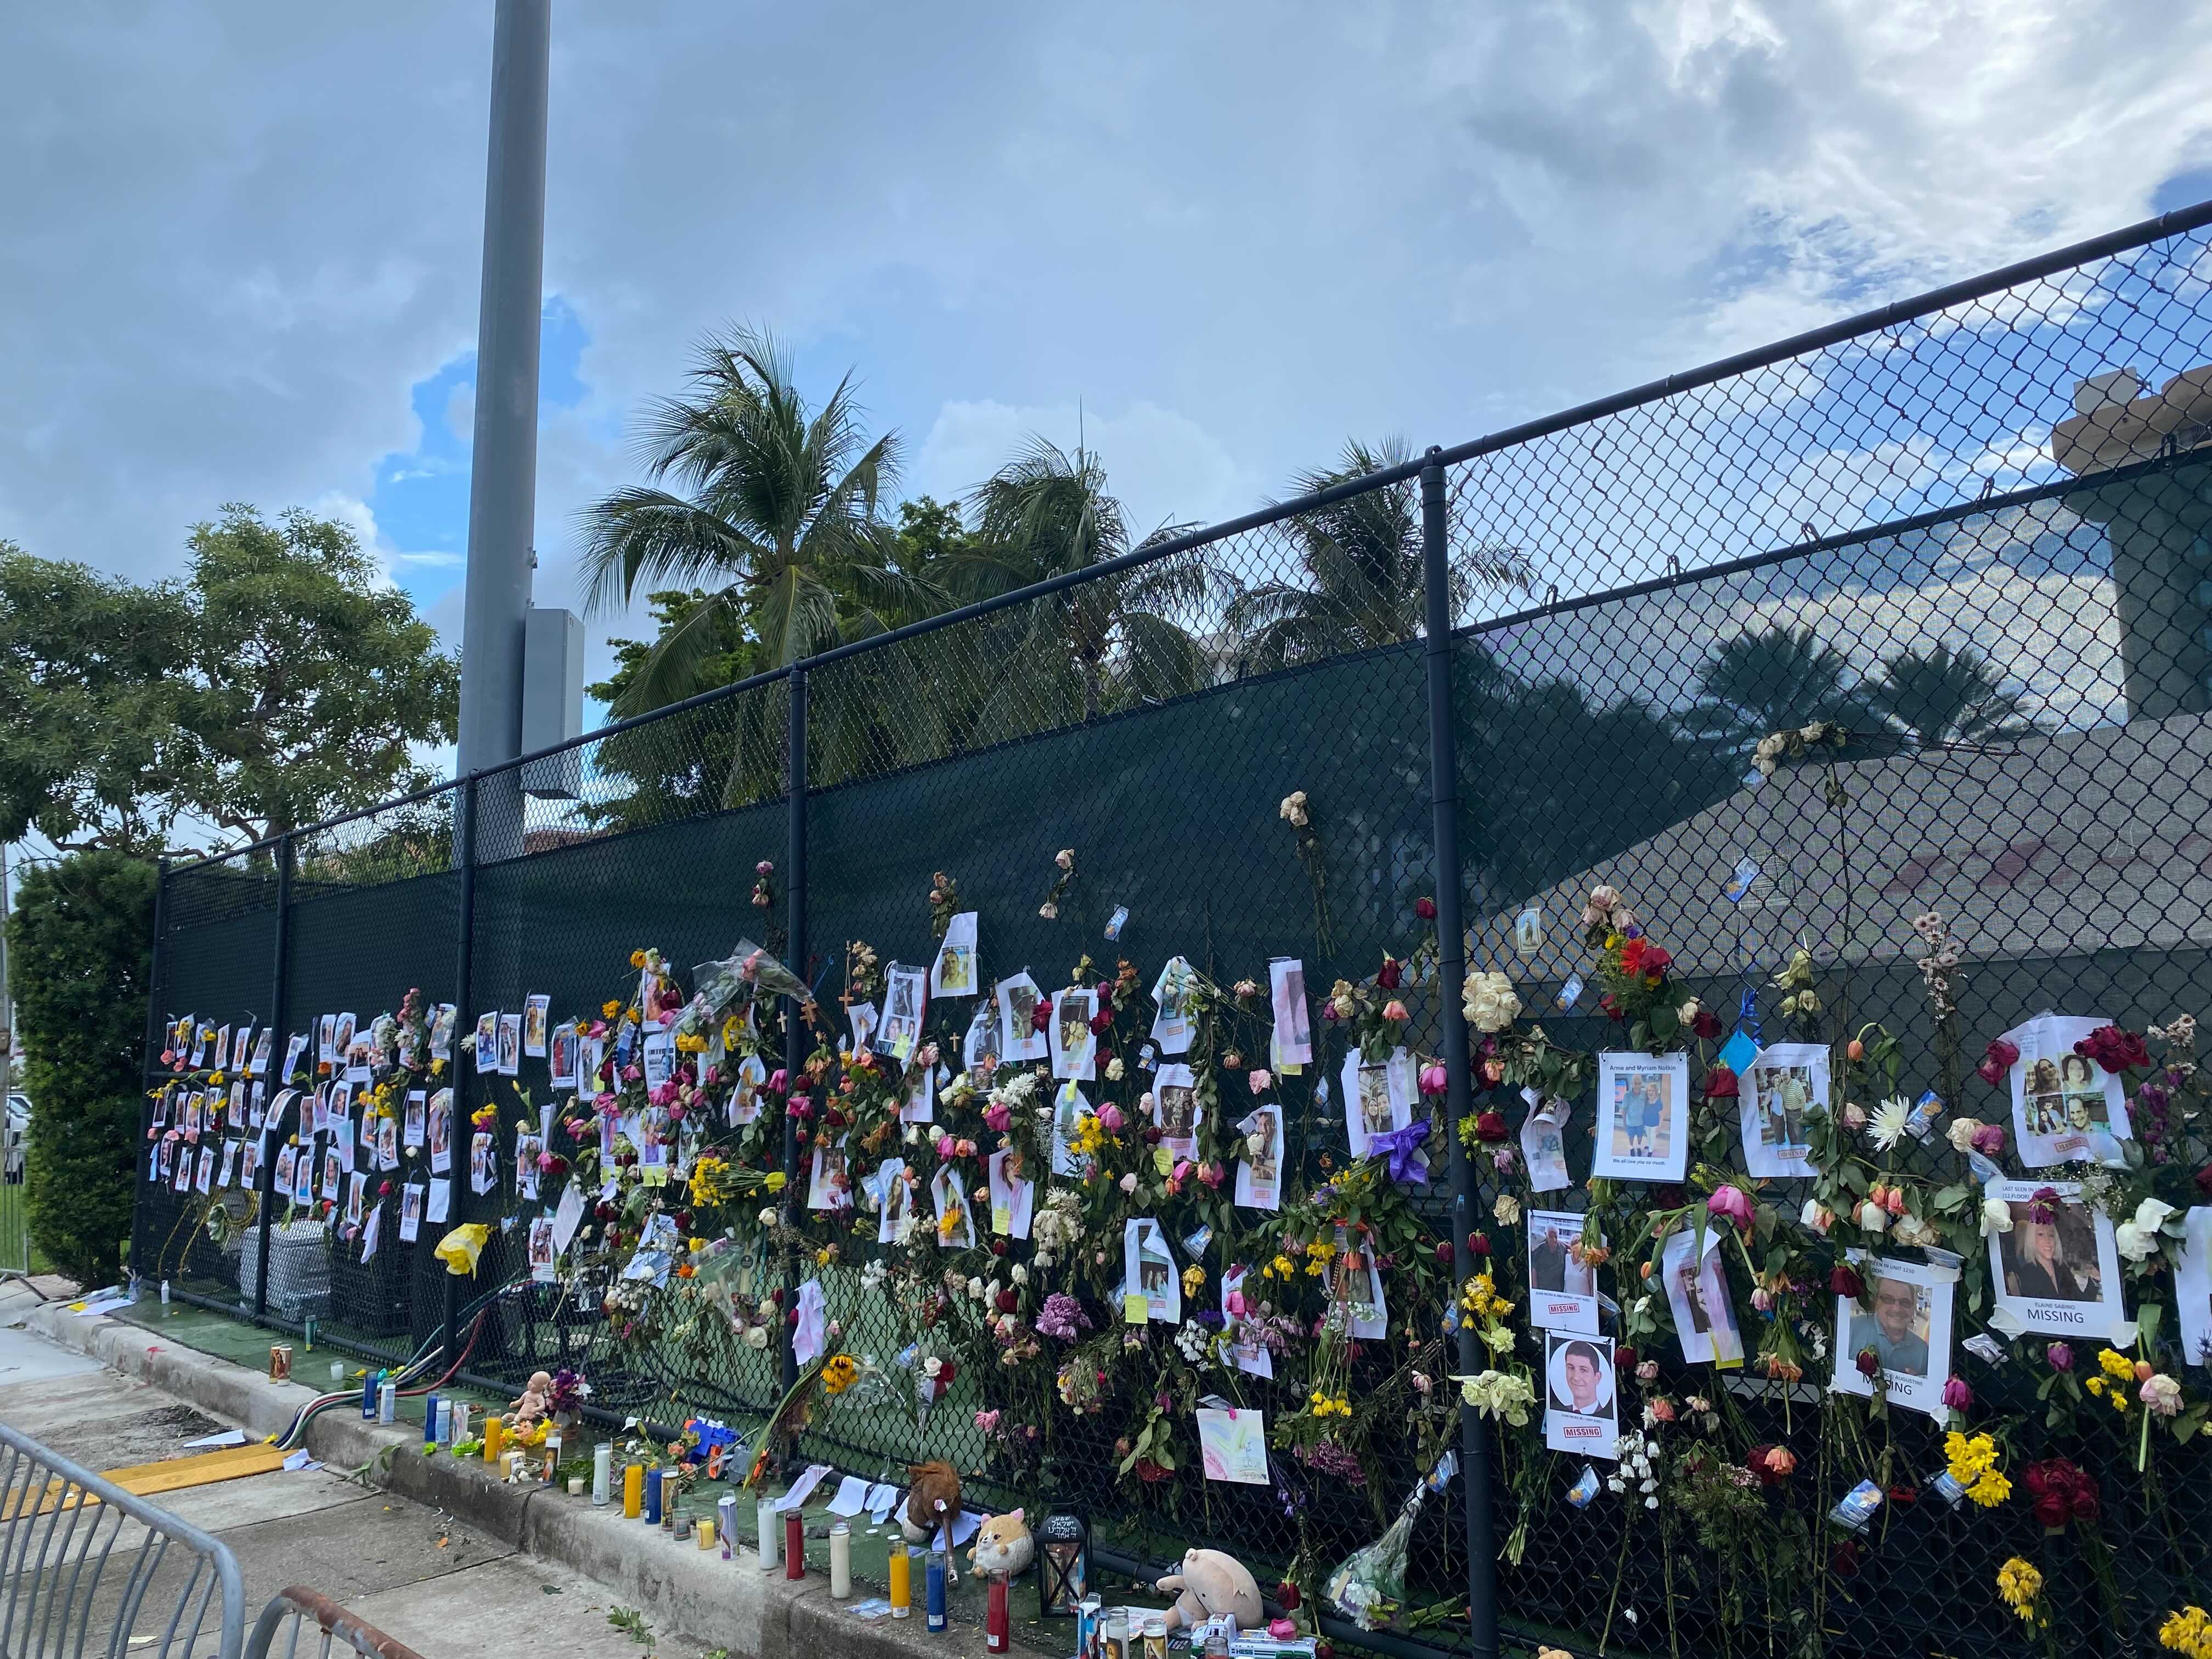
(1212, 1174)
(1433, 1080)
(947, 1147)
(1233, 1304)
(1260, 1078)
(1110, 1117)
(1183, 1170)
(1129, 1182)
(1731, 1202)
(997, 1117)
(1396, 1009)
(778, 1080)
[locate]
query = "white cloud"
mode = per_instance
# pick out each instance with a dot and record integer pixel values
(1166, 468)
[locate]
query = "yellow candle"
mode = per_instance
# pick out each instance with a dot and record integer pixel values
(633, 1491)
(902, 1596)
(706, 1535)
(495, 1432)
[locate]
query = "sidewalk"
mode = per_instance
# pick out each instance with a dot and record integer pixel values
(438, 1553)
(416, 1572)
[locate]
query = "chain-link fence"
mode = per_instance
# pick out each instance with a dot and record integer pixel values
(1963, 549)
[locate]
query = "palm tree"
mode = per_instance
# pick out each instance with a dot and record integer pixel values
(1774, 680)
(1361, 579)
(1940, 697)
(774, 511)
(1092, 646)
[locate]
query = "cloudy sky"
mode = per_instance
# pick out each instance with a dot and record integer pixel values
(242, 251)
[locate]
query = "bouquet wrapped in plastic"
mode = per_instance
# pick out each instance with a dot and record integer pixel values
(748, 974)
(1368, 1586)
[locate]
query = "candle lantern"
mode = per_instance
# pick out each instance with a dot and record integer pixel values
(1063, 1563)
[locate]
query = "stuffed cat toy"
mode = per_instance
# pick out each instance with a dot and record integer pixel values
(1003, 1546)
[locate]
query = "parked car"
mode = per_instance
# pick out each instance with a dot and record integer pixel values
(19, 1127)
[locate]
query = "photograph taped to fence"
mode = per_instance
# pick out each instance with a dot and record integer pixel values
(2065, 1107)
(1171, 991)
(906, 1004)
(1377, 1098)
(1018, 1037)
(2192, 1285)
(953, 973)
(1562, 1287)
(894, 1195)
(751, 1078)
(1643, 1116)
(535, 1008)
(1260, 1175)
(1176, 1111)
(2059, 1269)
(1074, 1049)
(1293, 1039)
(1582, 1405)
(487, 1054)
(562, 1059)
(1698, 1295)
(1908, 1330)
(441, 1131)
(1785, 1083)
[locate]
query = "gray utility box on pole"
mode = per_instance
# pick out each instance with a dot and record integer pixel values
(553, 703)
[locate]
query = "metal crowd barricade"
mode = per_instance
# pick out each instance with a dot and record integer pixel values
(75, 1581)
(290, 1610)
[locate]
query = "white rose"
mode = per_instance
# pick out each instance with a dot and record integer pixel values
(2134, 1243)
(1020, 1273)
(757, 1336)
(1997, 1217)
(1871, 1218)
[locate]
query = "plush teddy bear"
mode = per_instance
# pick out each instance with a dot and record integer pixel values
(1209, 1585)
(1003, 1545)
(932, 1504)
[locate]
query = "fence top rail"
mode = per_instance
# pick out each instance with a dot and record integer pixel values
(2140, 235)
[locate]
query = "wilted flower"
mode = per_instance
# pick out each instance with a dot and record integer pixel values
(1732, 1203)
(1294, 808)
(2059, 1357)
(1997, 1217)
(1957, 1396)
(1853, 1116)
(2162, 1394)
(1871, 1218)
(1433, 1080)
(1817, 1216)
(1064, 858)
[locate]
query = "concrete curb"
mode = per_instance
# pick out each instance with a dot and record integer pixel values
(719, 1604)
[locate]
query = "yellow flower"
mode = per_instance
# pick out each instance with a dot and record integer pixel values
(1193, 1278)
(2116, 1365)
(839, 1373)
(1281, 1268)
(775, 1182)
(1990, 1489)
(2018, 1583)
(637, 958)
(610, 1008)
(2188, 1632)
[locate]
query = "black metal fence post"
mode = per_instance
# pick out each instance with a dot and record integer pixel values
(1451, 969)
(157, 1013)
(794, 1035)
(457, 1128)
(265, 1176)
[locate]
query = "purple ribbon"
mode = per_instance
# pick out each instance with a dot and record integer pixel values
(1398, 1145)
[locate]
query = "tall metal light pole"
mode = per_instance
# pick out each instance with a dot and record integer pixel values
(503, 475)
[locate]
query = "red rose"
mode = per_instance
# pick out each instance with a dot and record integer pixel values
(1844, 1280)
(1489, 1127)
(1904, 1497)
(1478, 1244)
(1868, 1362)
(1286, 1596)
(1041, 1017)
(1102, 1022)
(1657, 961)
(1426, 909)
(1624, 1357)
(2114, 1049)
(1720, 1084)
(1706, 1024)
(1389, 975)
(1007, 1301)
(1443, 1252)
(1152, 1134)
(998, 1247)
(1844, 1559)
(1612, 1008)
(2051, 1509)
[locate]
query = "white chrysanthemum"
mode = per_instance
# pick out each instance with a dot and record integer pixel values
(1887, 1127)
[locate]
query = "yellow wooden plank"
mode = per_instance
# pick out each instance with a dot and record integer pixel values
(148, 1479)
(180, 1473)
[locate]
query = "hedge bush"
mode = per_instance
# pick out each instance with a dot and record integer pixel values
(80, 947)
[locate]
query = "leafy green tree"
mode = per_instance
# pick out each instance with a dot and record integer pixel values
(1774, 680)
(1089, 649)
(309, 687)
(88, 705)
(774, 515)
(280, 682)
(681, 765)
(1360, 581)
(1940, 697)
(80, 948)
